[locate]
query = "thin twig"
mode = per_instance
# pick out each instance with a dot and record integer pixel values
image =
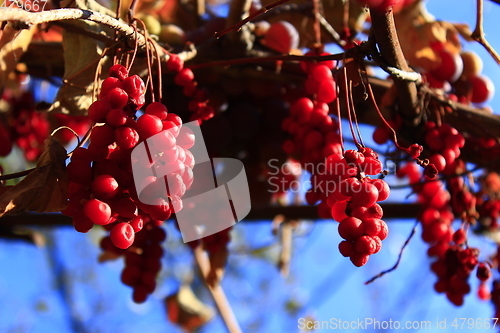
(478, 33)
(16, 174)
(399, 256)
(286, 248)
(238, 26)
(217, 293)
(316, 23)
(331, 31)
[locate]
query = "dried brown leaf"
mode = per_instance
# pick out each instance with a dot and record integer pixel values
(81, 57)
(44, 189)
(10, 52)
(186, 310)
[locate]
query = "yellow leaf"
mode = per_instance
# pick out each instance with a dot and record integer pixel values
(44, 189)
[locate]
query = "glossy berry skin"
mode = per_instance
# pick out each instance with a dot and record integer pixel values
(482, 89)
(126, 137)
(104, 187)
(122, 235)
(157, 109)
(118, 71)
(97, 211)
(148, 125)
(282, 37)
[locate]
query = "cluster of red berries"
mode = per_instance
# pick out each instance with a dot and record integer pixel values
(199, 107)
(350, 197)
(142, 260)
(453, 271)
(101, 188)
(455, 260)
(445, 142)
(314, 132)
(27, 128)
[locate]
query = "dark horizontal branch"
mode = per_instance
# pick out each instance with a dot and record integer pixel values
(391, 210)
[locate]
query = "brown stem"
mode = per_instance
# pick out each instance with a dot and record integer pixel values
(217, 293)
(478, 33)
(316, 24)
(28, 18)
(384, 32)
(16, 174)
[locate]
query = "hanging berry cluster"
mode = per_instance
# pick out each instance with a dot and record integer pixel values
(28, 128)
(351, 198)
(199, 107)
(101, 188)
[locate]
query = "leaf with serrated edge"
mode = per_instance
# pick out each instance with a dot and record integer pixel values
(44, 189)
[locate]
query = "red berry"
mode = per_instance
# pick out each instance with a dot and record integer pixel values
(116, 117)
(157, 109)
(126, 137)
(122, 235)
(105, 187)
(346, 248)
(98, 111)
(482, 89)
(174, 63)
(117, 97)
(118, 71)
(365, 245)
(184, 77)
(350, 228)
(148, 125)
(97, 211)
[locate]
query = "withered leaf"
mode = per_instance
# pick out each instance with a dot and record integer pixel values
(13, 46)
(186, 310)
(81, 58)
(44, 189)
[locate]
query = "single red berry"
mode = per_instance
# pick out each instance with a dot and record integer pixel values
(157, 109)
(148, 125)
(184, 77)
(126, 137)
(97, 211)
(105, 187)
(174, 63)
(118, 71)
(122, 235)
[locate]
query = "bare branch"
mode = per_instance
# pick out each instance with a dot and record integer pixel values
(384, 33)
(28, 18)
(217, 293)
(478, 33)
